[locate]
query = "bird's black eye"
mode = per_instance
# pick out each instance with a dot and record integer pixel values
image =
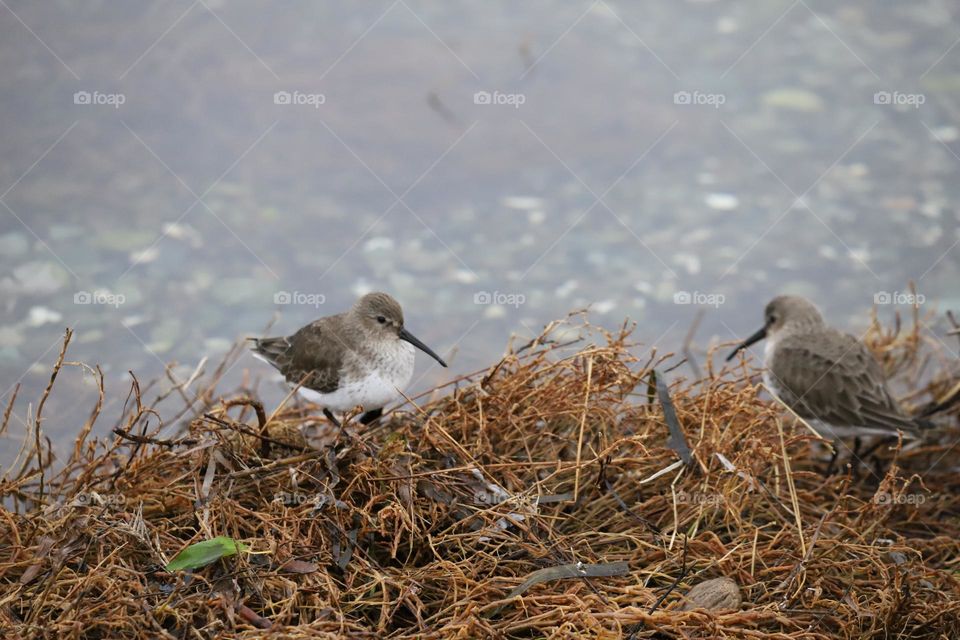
(381, 320)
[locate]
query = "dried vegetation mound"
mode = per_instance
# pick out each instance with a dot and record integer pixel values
(539, 498)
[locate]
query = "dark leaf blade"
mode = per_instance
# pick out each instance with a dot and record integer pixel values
(200, 554)
(676, 441)
(574, 570)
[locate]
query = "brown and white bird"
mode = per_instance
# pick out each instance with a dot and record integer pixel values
(829, 378)
(363, 357)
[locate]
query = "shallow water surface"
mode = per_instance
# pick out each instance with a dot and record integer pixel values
(177, 175)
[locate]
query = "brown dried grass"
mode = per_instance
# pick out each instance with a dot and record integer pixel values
(421, 526)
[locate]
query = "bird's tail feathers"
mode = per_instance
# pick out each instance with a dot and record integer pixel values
(270, 350)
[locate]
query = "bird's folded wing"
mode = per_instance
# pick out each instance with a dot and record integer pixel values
(839, 383)
(313, 359)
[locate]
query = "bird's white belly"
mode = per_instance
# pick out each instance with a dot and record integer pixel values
(376, 387)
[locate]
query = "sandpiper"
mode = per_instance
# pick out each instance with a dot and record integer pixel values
(829, 378)
(361, 358)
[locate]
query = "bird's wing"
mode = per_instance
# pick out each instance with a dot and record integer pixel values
(306, 357)
(836, 380)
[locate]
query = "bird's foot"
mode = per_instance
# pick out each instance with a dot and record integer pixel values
(371, 416)
(366, 418)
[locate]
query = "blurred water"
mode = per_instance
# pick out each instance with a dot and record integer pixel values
(161, 197)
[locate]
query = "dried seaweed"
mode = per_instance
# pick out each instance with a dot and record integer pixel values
(426, 524)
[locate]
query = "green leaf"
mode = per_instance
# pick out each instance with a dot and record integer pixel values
(200, 554)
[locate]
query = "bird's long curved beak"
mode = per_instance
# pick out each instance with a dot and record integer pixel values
(415, 341)
(756, 337)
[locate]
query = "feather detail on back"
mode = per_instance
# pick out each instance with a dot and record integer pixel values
(835, 379)
(305, 358)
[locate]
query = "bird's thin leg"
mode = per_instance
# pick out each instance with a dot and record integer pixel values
(855, 458)
(875, 464)
(371, 415)
(365, 418)
(862, 455)
(336, 422)
(342, 424)
(331, 417)
(833, 460)
(872, 448)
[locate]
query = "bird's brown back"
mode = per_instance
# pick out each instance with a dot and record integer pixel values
(313, 356)
(833, 377)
